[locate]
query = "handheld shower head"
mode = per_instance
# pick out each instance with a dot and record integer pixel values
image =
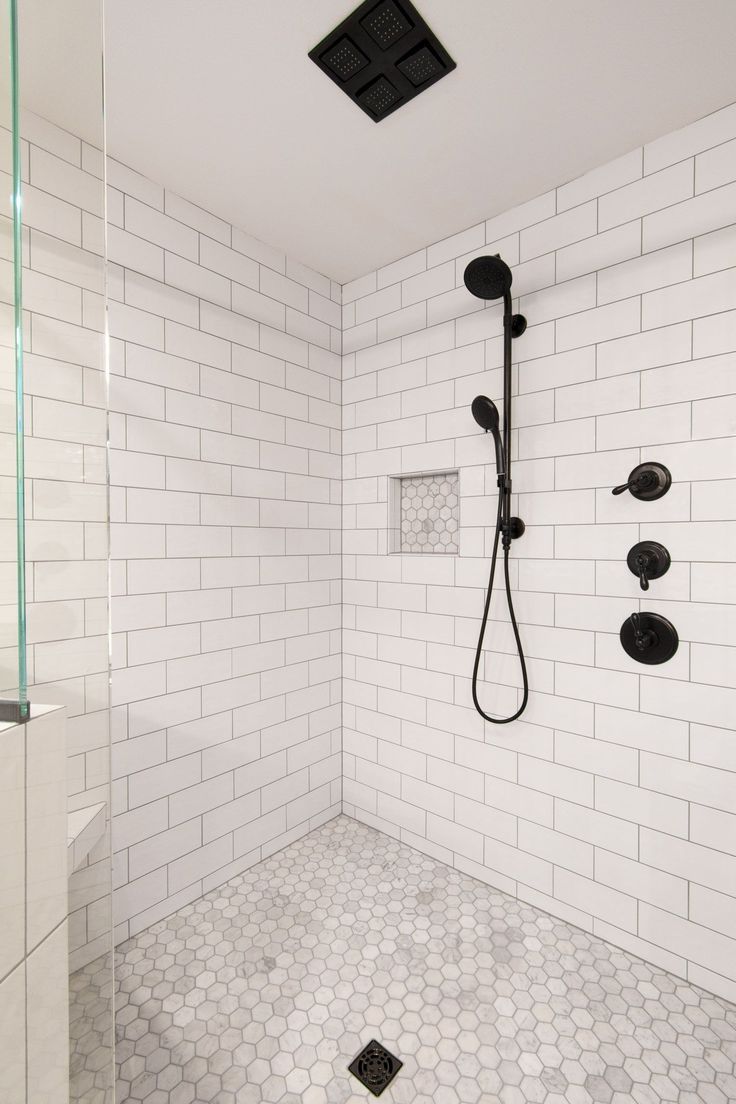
(488, 277)
(485, 412)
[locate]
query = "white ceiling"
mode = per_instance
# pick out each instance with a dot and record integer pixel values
(218, 100)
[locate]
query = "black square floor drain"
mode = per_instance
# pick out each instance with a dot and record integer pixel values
(375, 1067)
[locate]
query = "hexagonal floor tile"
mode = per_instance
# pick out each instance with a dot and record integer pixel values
(268, 988)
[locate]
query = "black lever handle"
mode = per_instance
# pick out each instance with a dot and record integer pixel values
(647, 482)
(643, 481)
(648, 560)
(643, 638)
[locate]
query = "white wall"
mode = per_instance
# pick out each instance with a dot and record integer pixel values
(226, 538)
(66, 475)
(611, 802)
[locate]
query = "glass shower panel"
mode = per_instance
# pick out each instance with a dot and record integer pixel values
(62, 141)
(13, 336)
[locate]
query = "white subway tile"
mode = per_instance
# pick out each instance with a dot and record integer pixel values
(690, 781)
(658, 190)
(562, 299)
(472, 238)
(701, 945)
(714, 417)
(525, 214)
(653, 426)
(715, 166)
(714, 251)
(652, 271)
(556, 848)
(709, 131)
(647, 883)
(599, 251)
(556, 440)
(597, 828)
(612, 175)
(598, 397)
(558, 231)
(643, 806)
(600, 324)
(690, 218)
(610, 904)
(434, 281)
(402, 269)
(704, 295)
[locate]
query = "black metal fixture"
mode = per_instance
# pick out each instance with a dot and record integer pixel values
(649, 560)
(382, 56)
(375, 1067)
(649, 638)
(491, 278)
(647, 481)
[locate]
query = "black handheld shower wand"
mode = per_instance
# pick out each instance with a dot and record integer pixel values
(490, 278)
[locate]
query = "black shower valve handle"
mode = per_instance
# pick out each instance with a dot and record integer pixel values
(647, 481)
(648, 638)
(643, 638)
(648, 560)
(641, 481)
(642, 562)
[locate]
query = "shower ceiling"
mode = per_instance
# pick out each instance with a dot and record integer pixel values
(220, 102)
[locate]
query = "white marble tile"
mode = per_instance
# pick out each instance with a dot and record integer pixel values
(268, 988)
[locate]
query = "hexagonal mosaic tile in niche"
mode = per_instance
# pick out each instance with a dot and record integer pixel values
(429, 512)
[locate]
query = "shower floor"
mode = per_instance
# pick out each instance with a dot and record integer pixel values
(267, 988)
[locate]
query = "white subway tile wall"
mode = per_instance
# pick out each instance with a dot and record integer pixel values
(65, 467)
(612, 802)
(225, 423)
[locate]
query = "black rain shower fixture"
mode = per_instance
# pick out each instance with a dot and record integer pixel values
(491, 278)
(382, 56)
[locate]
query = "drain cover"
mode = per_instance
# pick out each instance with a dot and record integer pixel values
(375, 1067)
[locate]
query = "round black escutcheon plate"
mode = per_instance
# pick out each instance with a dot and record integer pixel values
(656, 640)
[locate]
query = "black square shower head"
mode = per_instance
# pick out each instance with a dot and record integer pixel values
(382, 56)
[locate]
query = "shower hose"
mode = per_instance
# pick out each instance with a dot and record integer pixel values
(500, 527)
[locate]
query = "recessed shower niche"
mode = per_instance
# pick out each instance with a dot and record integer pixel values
(424, 512)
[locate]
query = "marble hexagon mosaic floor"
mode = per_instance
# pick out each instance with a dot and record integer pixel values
(267, 989)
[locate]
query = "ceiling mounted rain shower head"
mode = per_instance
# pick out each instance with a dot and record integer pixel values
(382, 56)
(488, 277)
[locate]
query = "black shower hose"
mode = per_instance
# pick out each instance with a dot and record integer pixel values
(484, 622)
